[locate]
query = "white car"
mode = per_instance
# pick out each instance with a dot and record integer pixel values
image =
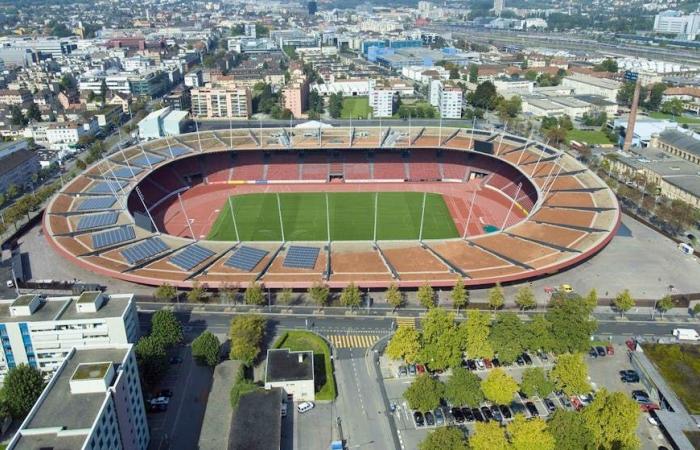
(652, 421)
(159, 401)
(304, 407)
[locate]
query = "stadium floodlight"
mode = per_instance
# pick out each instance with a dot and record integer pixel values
(199, 139)
(233, 217)
(422, 218)
(230, 131)
(261, 136)
(473, 126)
(410, 138)
(440, 132)
(189, 225)
(510, 209)
(554, 180)
(469, 214)
(143, 202)
(279, 211)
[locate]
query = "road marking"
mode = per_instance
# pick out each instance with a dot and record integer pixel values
(352, 340)
(409, 322)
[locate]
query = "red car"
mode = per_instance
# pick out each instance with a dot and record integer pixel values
(631, 344)
(420, 368)
(610, 349)
(487, 363)
(646, 407)
(576, 402)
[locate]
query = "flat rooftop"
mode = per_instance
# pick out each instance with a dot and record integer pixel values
(257, 423)
(283, 365)
(63, 308)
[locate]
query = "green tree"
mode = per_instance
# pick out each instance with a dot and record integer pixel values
(404, 344)
(570, 431)
(80, 164)
(394, 297)
(195, 294)
(254, 295)
(538, 334)
(441, 343)
(21, 388)
(464, 388)
(530, 434)
(489, 436)
(484, 96)
(246, 334)
(285, 296)
(475, 333)
(424, 393)
(17, 117)
(696, 309)
(535, 382)
(165, 292)
(656, 94)
(624, 302)
(228, 294)
(571, 325)
(510, 108)
(496, 298)
(350, 296)
(335, 105)
(499, 387)
(612, 419)
(166, 328)
(152, 360)
(205, 349)
(674, 107)
(665, 304)
(459, 295)
(444, 438)
(319, 293)
(570, 374)
(592, 299)
(525, 298)
(33, 112)
(608, 65)
(473, 73)
(506, 337)
(426, 296)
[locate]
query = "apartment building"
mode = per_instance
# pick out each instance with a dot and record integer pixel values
(93, 402)
(450, 101)
(295, 95)
(17, 164)
(18, 97)
(221, 102)
(41, 331)
(381, 98)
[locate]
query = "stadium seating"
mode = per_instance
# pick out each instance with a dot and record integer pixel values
(218, 167)
(423, 166)
(283, 166)
(248, 166)
(356, 166)
(315, 166)
(388, 166)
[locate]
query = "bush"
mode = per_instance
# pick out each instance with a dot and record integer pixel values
(206, 348)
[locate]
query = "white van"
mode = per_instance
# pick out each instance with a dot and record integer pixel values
(686, 334)
(304, 407)
(686, 248)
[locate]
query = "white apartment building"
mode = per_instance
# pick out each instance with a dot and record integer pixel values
(381, 99)
(42, 331)
(675, 22)
(450, 101)
(349, 88)
(93, 402)
(225, 102)
(509, 88)
(115, 83)
(66, 135)
(588, 85)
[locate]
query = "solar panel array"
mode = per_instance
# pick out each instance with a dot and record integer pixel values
(191, 257)
(107, 187)
(97, 220)
(147, 160)
(112, 237)
(97, 203)
(245, 258)
(299, 257)
(176, 150)
(144, 250)
(127, 172)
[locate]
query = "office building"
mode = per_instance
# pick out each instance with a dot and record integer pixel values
(163, 122)
(17, 164)
(94, 401)
(588, 85)
(221, 102)
(678, 24)
(41, 331)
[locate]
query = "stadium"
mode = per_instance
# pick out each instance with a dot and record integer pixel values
(289, 207)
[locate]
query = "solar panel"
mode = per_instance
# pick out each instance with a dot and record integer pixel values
(111, 237)
(147, 160)
(126, 172)
(144, 250)
(176, 150)
(245, 258)
(97, 220)
(96, 203)
(191, 257)
(107, 187)
(301, 257)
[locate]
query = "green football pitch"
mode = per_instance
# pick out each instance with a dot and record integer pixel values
(350, 216)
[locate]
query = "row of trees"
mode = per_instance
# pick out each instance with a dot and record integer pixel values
(152, 350)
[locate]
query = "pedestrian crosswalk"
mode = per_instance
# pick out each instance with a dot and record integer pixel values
(353, 340)
(409, 322)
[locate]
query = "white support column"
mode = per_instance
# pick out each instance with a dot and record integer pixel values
(510, 209)
(279, 211)
(440, 133)
(143, 202)
(233, 217)
(472, 138)
(199, 139)
(126, 161)
(111, 187)
(145, 155)
(410, 138)
(422, 218)
(230, 131)
(187, 219)
(170, 149)
(376, 201)
(500, 141)
(469, 214)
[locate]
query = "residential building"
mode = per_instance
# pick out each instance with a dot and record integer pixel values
(94, 401)
(295, 95)
(179, 99)
(349, 87)
(588, 85)
(448, 98)
(508, 87)
(163, 122)
(291, 371)
(677, 23)
(216, 426)
(16, 97)
(64, 135)
(17, 164)
(675, 142)
(221, 102)
(257, 423)
(41, 331)
(381, 98)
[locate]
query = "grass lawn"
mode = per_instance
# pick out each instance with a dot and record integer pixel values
(680, 366)
(323, 369)
(355, 107)
(679, 119)
(350, 216)
(591, 137)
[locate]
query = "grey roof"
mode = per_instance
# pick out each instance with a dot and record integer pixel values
(283, 365)
(217, 417)
(257, 423)
(680, 140)
(595, 100)
(63, 308)
(13, 160)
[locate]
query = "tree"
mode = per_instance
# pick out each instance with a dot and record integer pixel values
(103, 91)
(394, 297)
(195, 294)
(426, 296)
(535, 382)
(624, 302)
(228, 294)
(464, 388)
(475, 332)
(506, 337)
(442, 347)
(319, 293)
(246, 334)
(674, 107)
(80, 164)
(166, 328)
(315, 103)
(525, 298)
(17, 117)
(424, 393)
(696, 309)
(496, 298)
(459, 295)
(473, 73)
(530, 434)
(508, 109)
(33, 112)
(538, 334)
(591, 299)
(570, 374)
(656, 94)
(608, 65)
(350, 296)
(254, 295)
(484, 96)
(571, 325)
(499, 387)
(665, 304)
(152, 359)
(444, 438)
(489, 436)
(570, 432)
(285, 296)
(335, 105)
(404, 344)
(612, 419)
(165, 292)
(205, 349)
(22, 387)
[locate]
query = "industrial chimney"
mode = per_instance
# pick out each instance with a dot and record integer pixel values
(632, 121)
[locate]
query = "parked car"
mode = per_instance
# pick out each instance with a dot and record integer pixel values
(586, 399)
(601, 351)
(648, 407)
(522, 394)
(165, 393)
(420, 368)
(565, 401)
(520, 361)
(468, 414)
(412, 369)
(157, 408)
(629, 376)
(175, 360)
(543, 356)
(480, 364)
(403, 371)
(610, 349)
(551, 407)
(477, 415)
(532, 409)
(429, 419)
(631, 344)
(496, 362)
(471, 364)
(496, 413)
(527, 359)
(159, 401)
(305, 407)
(640, 396)
(439, 416)
(593, 353)
(517, 408)
(505, 411)
(576, 403)
(488, 363)
(486, 412)
(457, 414)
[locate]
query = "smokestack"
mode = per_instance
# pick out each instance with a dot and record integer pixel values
(632, 121)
